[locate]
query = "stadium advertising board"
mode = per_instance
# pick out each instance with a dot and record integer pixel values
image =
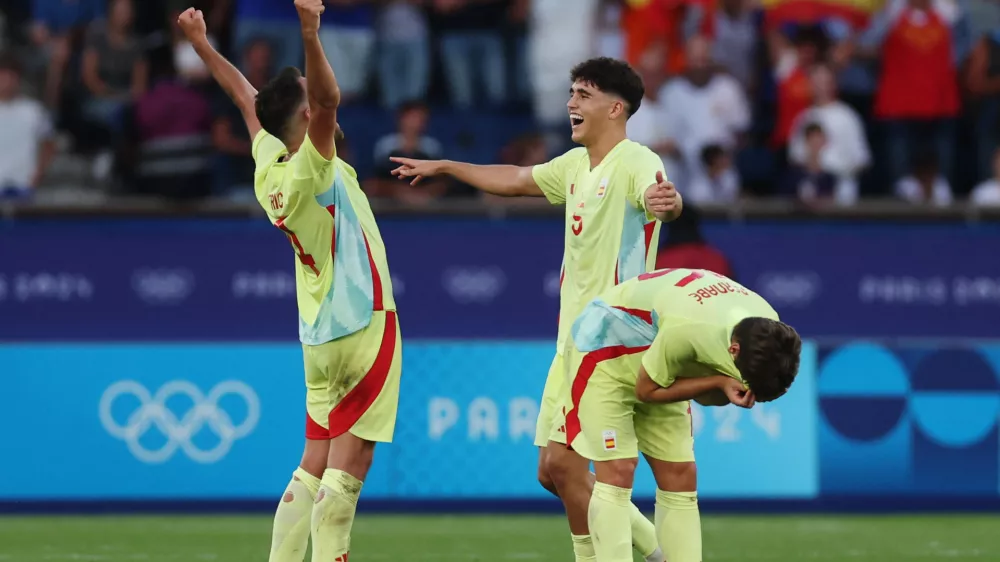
(226, 421)
(232, 280)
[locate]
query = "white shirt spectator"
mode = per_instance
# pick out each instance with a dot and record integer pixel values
(25, 126)
(846, 152)
(560, 36)
(986, 194)
(703, 189)
(909, 189)
(696, 117)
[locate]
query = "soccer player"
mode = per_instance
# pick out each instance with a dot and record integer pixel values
(638, 354)
(347, 319)
(615, 195)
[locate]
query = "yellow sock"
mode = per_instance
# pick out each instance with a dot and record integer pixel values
(333, 516)
(610, 527)
(644, 536)
(290, 535)
(678, 525)
(583, 548)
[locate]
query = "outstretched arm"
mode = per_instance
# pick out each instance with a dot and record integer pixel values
(321, 85)
(192, 22)
(506, 181)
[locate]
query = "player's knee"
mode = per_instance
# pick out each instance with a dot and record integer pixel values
(677, 476)
(545, 479)
(560, 465)
(314, 457)
(620, 472)
(351, 454)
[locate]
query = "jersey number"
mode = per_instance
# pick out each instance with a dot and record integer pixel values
(306, 259)
(577, 227)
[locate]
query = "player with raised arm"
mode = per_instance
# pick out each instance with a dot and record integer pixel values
(637, 355)
(347, 319)
(615, 195)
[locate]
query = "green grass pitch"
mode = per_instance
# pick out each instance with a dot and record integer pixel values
(496, 538)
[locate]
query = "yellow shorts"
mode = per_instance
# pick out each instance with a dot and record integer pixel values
(605, 421)
(551, 424)
(352, 383)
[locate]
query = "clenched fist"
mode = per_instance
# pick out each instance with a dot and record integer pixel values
(309, 13)
(192, 23)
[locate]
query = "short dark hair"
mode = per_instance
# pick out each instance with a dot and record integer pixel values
(612, 76)
(278, 101)
(769, 356)
(411, 105)
(813, 129)
(711, 153)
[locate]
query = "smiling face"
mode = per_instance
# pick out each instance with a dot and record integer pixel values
(591, 111)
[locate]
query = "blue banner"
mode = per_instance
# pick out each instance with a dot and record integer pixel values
(227, 421)
(231, 280)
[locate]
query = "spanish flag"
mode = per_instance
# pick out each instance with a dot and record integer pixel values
(855, 12)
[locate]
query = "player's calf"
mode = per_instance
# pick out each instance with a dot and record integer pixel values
(337, 500)
(610, 510)
(569, 473)
(290, 533)
(678, 522)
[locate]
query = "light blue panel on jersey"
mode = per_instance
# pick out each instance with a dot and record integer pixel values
(227, 421)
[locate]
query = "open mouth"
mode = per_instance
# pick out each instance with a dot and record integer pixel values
(575, 119)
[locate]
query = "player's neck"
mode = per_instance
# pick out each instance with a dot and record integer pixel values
(604, 145)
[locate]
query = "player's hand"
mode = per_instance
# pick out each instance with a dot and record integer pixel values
(416, 169)
(738, 394)
(192, 23)
(309, 13)
(661, 197)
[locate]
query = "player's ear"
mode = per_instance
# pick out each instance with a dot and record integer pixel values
(617, 109)
(734, 349)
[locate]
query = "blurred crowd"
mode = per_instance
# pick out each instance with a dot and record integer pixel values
(821, 101)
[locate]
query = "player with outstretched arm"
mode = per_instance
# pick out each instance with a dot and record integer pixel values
(637, 355)
(347, 320)
(616, 195)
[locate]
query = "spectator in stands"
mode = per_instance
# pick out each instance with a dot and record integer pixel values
(404, 59)
(925, 185)
(670, 23)
(719, 184)
(808, 180)
(275, 20)
(736, 38)
(987, 194)
(983, 81)
(555, 45)
(114, 71)
(685, 247)
(348, 36)
(171, 129)
(230, 137)
(845, 152)
(792, 62)
(648, 125)
(703, 107)
(409, 141)
(472, 49)
(54, 24)
(26, 145)
(921, 44)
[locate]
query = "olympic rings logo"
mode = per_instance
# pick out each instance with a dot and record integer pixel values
(179, 432)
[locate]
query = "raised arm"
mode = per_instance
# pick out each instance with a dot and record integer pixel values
(192, 22)
(506, 181)
(321, 85)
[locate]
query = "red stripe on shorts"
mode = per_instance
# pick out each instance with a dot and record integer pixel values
(315, 431)
(643, 315)
(376, 278)
(363, 395)
(587, 368)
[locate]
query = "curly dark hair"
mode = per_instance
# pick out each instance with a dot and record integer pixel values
(612, 76)
(769, 356)
(279, 100)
